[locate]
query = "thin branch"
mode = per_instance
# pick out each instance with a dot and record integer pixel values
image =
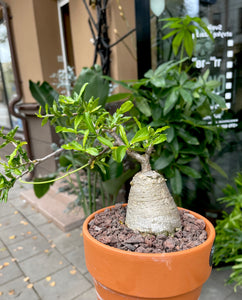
(142, 159)
(39, 160)
(90, 14)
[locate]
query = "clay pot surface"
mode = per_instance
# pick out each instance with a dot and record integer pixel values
(120, 274)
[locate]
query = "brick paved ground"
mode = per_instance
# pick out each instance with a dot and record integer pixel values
(39, 261)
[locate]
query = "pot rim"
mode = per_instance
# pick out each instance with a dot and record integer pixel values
(209, 229)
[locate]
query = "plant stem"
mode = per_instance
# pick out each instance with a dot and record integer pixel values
(89, 189)
(94, 191)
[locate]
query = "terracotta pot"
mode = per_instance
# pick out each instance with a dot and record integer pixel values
(120, 274)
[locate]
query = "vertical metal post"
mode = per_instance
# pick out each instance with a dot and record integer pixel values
(142, 13)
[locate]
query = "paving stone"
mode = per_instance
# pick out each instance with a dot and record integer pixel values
(11, 220)
(69, 241)
(77, 258)
(22, 206)
(89, 277)
(43, 264)
(215, 288)
(51, 231)
(9, 270)
(17, 289)
(3, 251)
(17, 233)
(6, 209)
(37, 219)
(67, 285)
(29, 247)
(89, 295)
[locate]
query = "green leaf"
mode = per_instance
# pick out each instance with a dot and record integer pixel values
(170, 134)
(118, 97)
(170, 101)
(217, 99)
(125, 107)
(137, 122)
(187, 96)
(97, 86)
(44, 121)
(41, 189)
(105, 141)
(176, 43)
(118, 153)
(163, 161)
(141, 135)
(189, 171)
(73, 145)
(43, 93)
(143, 106)
(64, 129)
(85, 137)
(176, 183)
(158, 140)
(188, 43)
(92, 151)
(189, 139)
(89, 123)
(217, 168)
(123, 135)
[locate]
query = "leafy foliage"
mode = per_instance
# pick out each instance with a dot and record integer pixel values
(15, 165)
(171, 95)
(229, 232)
(95, 134)
(183, 30)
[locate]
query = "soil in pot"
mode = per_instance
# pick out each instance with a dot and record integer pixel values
(108, 228)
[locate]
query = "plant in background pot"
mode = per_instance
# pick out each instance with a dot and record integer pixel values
(179, 95)
(151, 209)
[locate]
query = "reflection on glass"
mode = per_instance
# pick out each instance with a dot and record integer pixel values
(223, 57)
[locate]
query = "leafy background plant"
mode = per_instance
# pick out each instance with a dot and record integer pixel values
(173, 95)
(229, 232)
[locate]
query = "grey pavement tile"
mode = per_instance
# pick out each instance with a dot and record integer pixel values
(69, 241)
(43, 264)
(77, 258)
(51, 231)
(3, 251)
(67, 285)
(29, 247)
(11, 220)
(6, 209)
(17, 289)
(37, 219)
(215, 288)
(17, 233)
(89, 277)
(89, 295)
(63, 244)
(8, 270)
(22, 206)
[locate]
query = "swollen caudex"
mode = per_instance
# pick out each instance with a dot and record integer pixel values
(151, 207)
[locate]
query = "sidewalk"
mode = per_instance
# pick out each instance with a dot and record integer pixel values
(39, 261)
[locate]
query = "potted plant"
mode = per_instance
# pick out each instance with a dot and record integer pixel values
(99, 134)
(151, 210)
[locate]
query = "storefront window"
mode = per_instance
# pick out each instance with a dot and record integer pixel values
(223, 58)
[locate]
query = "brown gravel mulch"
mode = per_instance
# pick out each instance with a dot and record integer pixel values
(108, 227)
